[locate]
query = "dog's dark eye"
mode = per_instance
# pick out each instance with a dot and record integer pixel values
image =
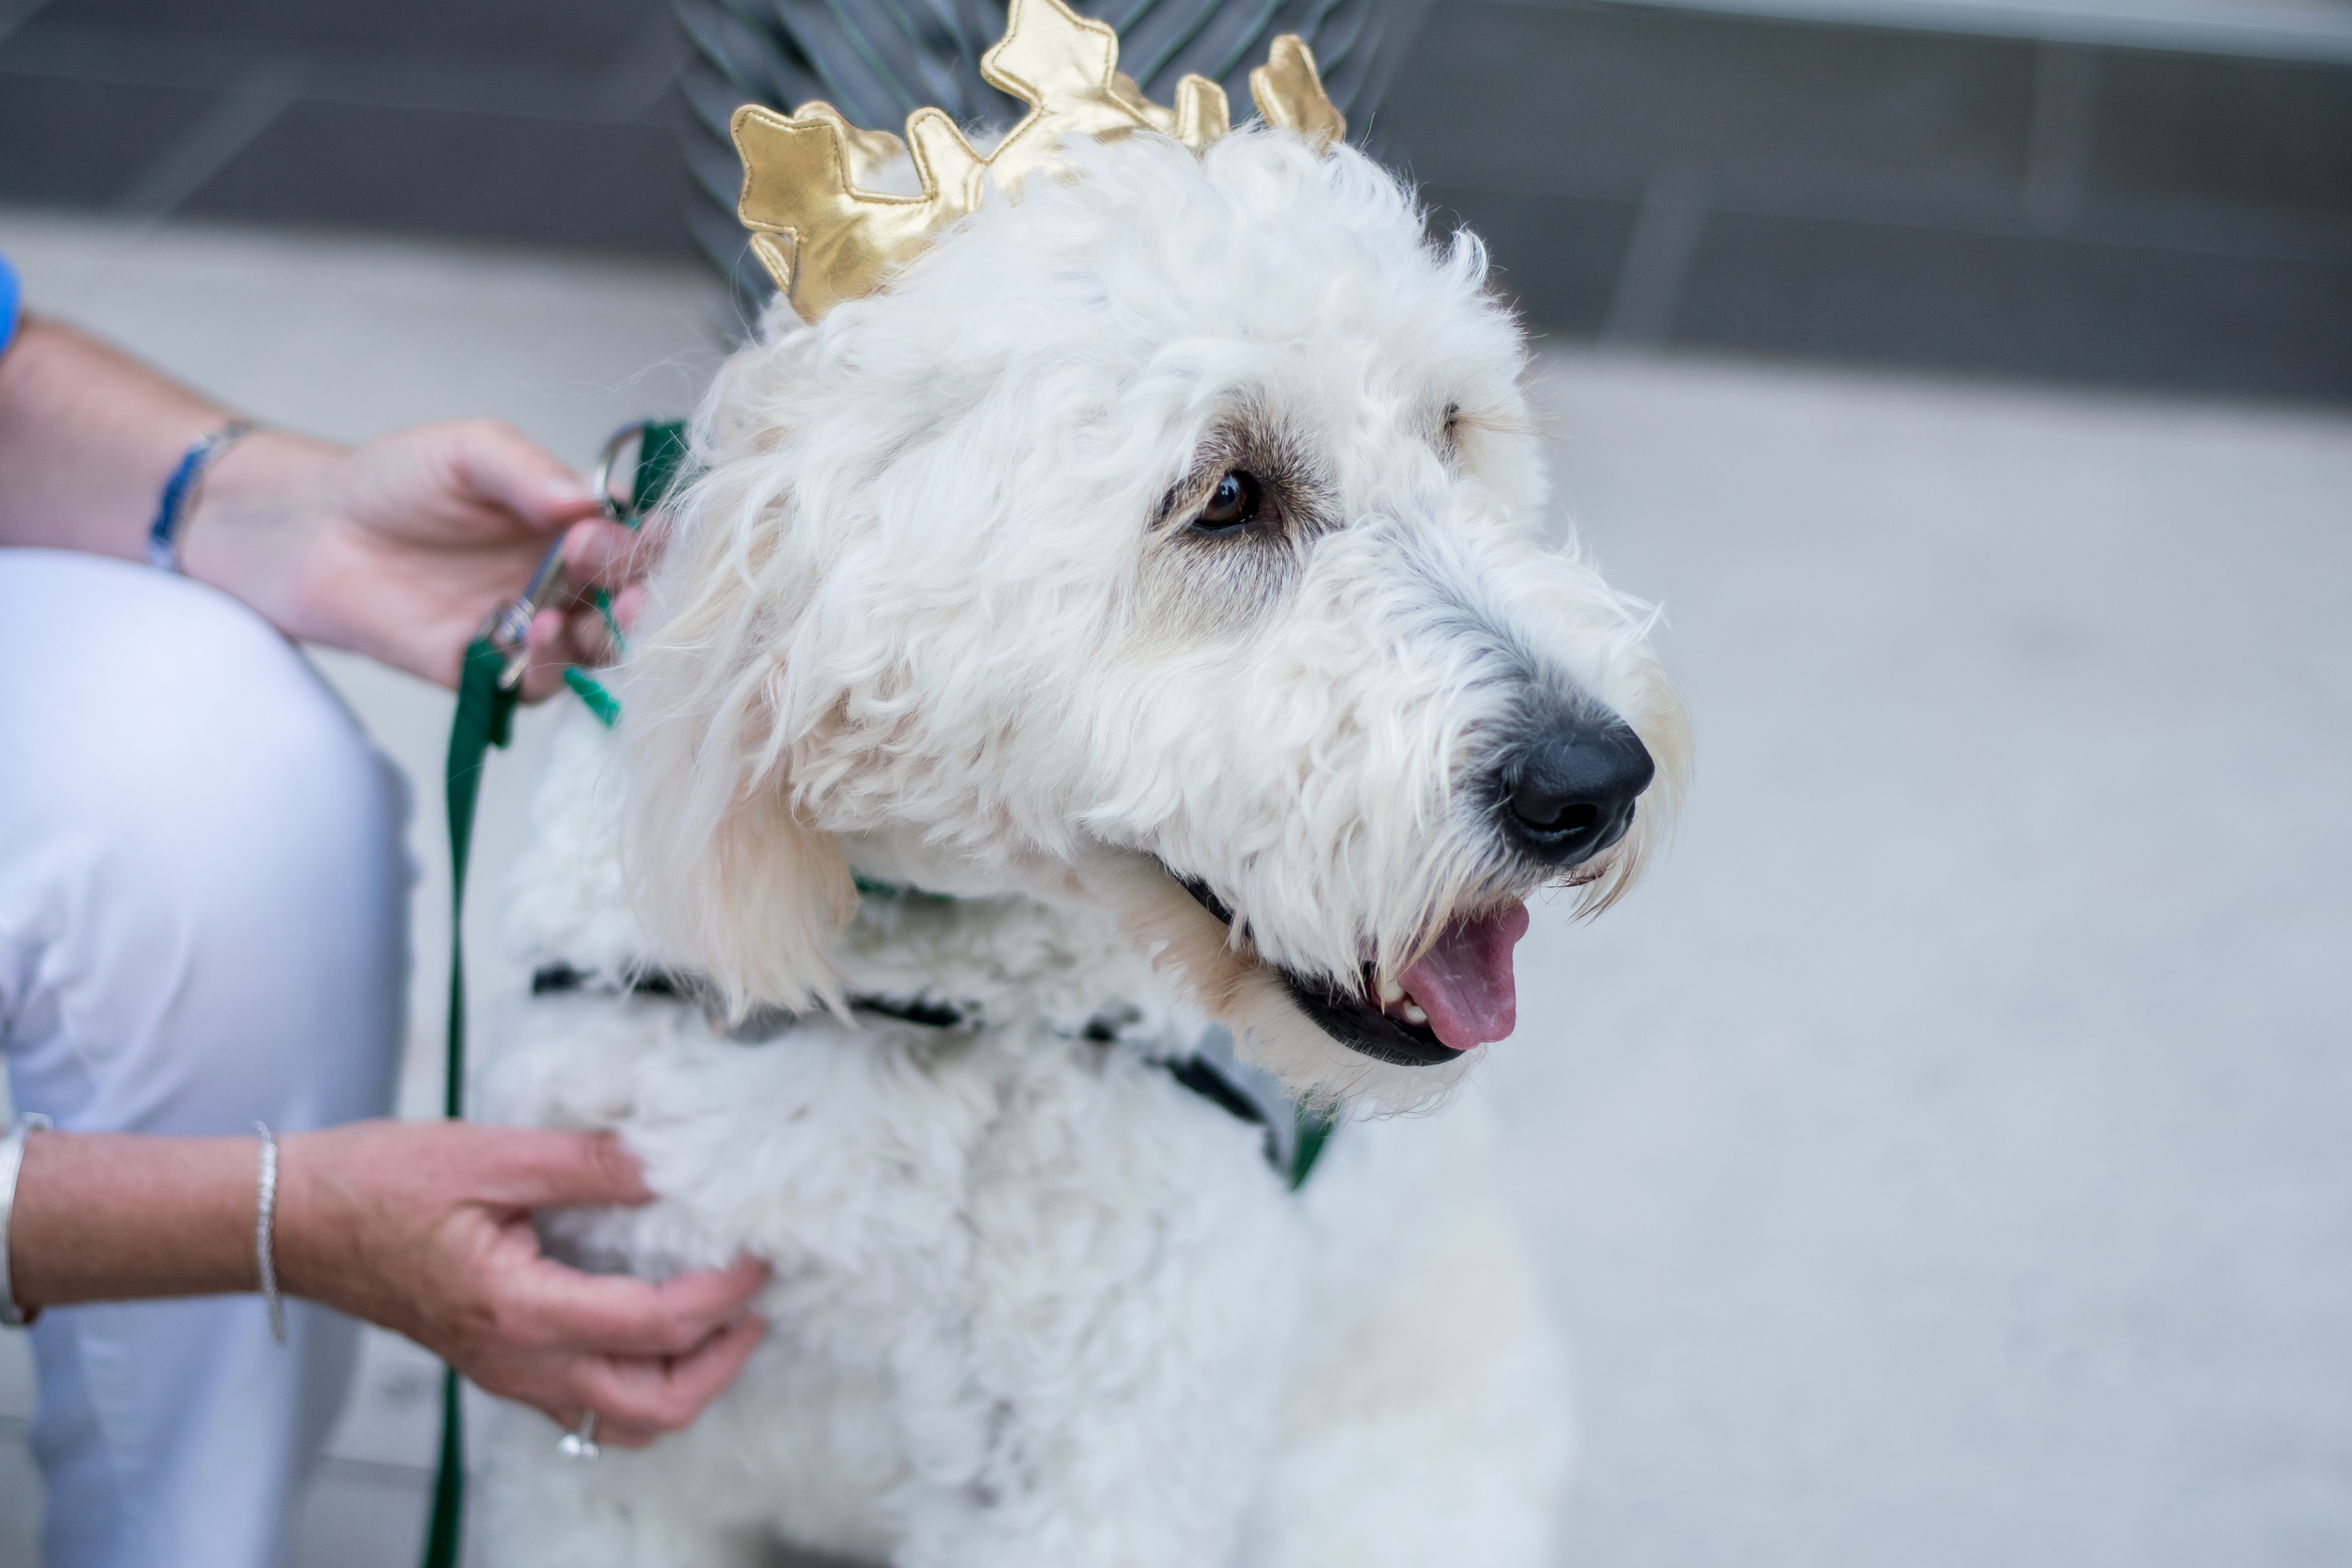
(1233, 504)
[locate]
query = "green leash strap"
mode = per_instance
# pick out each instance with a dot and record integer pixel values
(486, 717)
(591, 692)
(1311, 1131)
(661, 453)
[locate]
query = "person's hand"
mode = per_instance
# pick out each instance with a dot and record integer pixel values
(401, 548)
(424, 1229)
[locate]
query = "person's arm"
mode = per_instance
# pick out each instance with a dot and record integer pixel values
(424, 1229)
(399, 548)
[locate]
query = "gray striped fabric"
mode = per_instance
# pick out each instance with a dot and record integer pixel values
(879, 61)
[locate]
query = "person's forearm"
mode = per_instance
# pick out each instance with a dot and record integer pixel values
(421, 1228)
(108, 1217)
(88, 438)
(400, 549)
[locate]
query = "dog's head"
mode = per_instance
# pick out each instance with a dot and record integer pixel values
(1170, 541)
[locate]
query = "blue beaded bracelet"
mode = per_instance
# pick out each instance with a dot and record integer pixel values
(181, 490)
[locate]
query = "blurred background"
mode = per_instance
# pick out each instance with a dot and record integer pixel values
(2143, 193)
(1942, 1160)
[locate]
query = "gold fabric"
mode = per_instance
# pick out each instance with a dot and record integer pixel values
(826, 237)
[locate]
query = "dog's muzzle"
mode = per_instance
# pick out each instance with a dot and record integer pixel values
(1560, 795)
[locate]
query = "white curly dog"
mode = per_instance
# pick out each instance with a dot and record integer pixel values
(1137, 614)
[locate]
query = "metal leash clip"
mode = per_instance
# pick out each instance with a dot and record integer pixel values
(508, 630)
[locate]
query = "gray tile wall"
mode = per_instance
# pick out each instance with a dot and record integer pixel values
(1974, 204)
(527, 121)
(1646, 175)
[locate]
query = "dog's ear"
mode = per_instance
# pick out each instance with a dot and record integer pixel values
(731, 876)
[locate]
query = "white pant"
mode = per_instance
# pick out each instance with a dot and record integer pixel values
(203, 924)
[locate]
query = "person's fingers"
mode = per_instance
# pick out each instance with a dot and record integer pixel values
(613, 1435)
(600, 554)
(579, 639)
(551, 647)
(499, 463)
(665, 1394)
(543, 1167)
(561, 638)
(584, 636)
(591, 636)
(625, 1316)
(557, 1402)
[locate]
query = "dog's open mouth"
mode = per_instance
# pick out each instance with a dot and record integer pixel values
(1458, 994)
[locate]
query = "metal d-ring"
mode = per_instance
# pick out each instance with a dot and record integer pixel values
(616, 507)
(509, 627)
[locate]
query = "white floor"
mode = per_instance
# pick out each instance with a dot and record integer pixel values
(1942, 1160)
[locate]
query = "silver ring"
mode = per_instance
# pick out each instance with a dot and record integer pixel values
(580, 1442)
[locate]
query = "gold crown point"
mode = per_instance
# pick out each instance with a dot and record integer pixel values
(825, 234)
(1050, 50)
(1289, 93)
(1202, 115)
(949, 170)
(869, 152)
(775, 253)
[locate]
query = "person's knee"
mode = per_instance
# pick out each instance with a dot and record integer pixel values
(226, 855)
(235, 764)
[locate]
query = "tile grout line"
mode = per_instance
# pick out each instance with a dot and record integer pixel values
(127, 58)
(2222, 31)
(1657, 262)
(2162, 227)
(253, 106)
(15, 13)
(2057, 149)
(650, 65)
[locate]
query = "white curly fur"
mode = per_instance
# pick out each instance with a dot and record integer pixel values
(932, 612)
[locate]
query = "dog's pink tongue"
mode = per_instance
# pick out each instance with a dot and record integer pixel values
(1464, 982)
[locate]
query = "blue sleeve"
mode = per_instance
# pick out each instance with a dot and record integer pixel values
(9, 299)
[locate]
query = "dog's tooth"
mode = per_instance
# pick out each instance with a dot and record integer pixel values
(1413, 1013)
(1390, 992)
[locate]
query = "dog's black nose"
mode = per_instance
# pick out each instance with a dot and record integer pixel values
(1569, 794)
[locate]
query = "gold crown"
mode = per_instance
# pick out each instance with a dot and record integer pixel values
(825, 239)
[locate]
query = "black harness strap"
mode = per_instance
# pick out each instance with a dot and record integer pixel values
(1201, 1075)
(1196, 1073)
(763, 1023)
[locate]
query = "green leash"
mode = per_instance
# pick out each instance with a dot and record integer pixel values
(1311, 1131)
(489, 687)
(485, 713)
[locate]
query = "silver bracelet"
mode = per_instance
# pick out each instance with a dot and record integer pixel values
(265, 1248)
(11, 1161)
